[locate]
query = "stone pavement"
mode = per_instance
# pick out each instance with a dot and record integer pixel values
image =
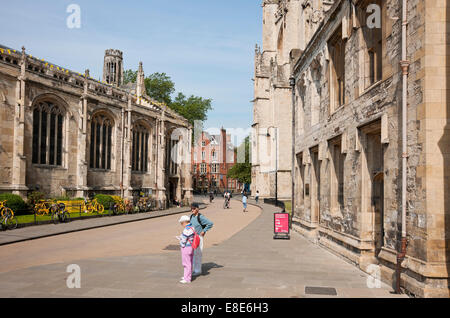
(46, 230)
(249, 264)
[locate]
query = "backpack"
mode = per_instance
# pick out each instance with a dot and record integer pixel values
(199, 221)
(196, 240)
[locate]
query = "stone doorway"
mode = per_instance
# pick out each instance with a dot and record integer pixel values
(373, 183)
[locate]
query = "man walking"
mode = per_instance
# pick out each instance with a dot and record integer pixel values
(201, 225)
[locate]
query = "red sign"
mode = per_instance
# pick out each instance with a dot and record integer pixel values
(281, 223)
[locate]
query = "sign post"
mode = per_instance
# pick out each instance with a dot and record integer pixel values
(281, 226)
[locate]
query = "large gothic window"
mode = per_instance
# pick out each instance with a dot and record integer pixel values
(48, 122)
(101, 142)
(139, 155)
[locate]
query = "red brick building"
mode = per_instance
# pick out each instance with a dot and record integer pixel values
(212, 157)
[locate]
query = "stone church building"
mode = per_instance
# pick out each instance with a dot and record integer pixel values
(64, 133)
(357, 70)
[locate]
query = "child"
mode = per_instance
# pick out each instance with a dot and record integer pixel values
(187, 252)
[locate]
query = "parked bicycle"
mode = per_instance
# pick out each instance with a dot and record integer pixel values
(118, 207)
(3, 208)
(60, 214)
(128, 207)
(7, 220)
(144, 205)
(93, 207)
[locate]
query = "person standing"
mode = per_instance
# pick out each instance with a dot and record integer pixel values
(257, 196)
(187, 252)
(244, 201)
(201, 225)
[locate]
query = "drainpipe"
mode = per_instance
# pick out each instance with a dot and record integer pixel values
(292, 84)
(405, 70)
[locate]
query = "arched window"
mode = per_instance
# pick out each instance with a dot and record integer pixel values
(139, 154)
(48, 122)
(101, 142)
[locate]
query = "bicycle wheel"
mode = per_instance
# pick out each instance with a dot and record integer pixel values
(55, 217)
(89, 208)
(65, 217)
(100, 208)
(39, 210)
(7, 212)
(11, 223)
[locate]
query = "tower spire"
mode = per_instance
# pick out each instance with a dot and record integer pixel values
(140, 81)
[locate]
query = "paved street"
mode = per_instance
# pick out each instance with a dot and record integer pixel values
(33, 232)
(140, 259)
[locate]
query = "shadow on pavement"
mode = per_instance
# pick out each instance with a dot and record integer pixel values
(206, 267)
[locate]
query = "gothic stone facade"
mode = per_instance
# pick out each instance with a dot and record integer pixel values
(286, 27)
(63, 132)
(348, 134)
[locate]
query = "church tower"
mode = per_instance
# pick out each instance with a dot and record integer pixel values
(113, 67)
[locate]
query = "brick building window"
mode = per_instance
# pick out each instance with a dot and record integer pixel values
(48, 122)
(215, 167)
(139, 154)
(203, 168)
(101, 142)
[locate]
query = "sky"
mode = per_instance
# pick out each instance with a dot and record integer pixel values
(205, 46)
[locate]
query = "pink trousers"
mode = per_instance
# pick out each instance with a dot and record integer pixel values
(187, 254)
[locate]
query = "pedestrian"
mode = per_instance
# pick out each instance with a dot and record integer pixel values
(244, 201)
(187, 252)
(257, 196)
(226, 204)
(201, 225)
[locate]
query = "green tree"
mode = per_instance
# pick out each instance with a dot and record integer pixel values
(192, 108)
(160, 87)
(129, 76)
(242, 171)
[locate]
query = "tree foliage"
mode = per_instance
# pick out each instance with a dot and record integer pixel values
(129, 76)
(192, 108)
(161, 87)
(242, 171)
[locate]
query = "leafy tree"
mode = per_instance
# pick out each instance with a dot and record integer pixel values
(242, 171)
(129, 76)
(192, 108)
(160, 87)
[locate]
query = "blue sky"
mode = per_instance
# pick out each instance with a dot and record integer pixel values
(205, 46)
